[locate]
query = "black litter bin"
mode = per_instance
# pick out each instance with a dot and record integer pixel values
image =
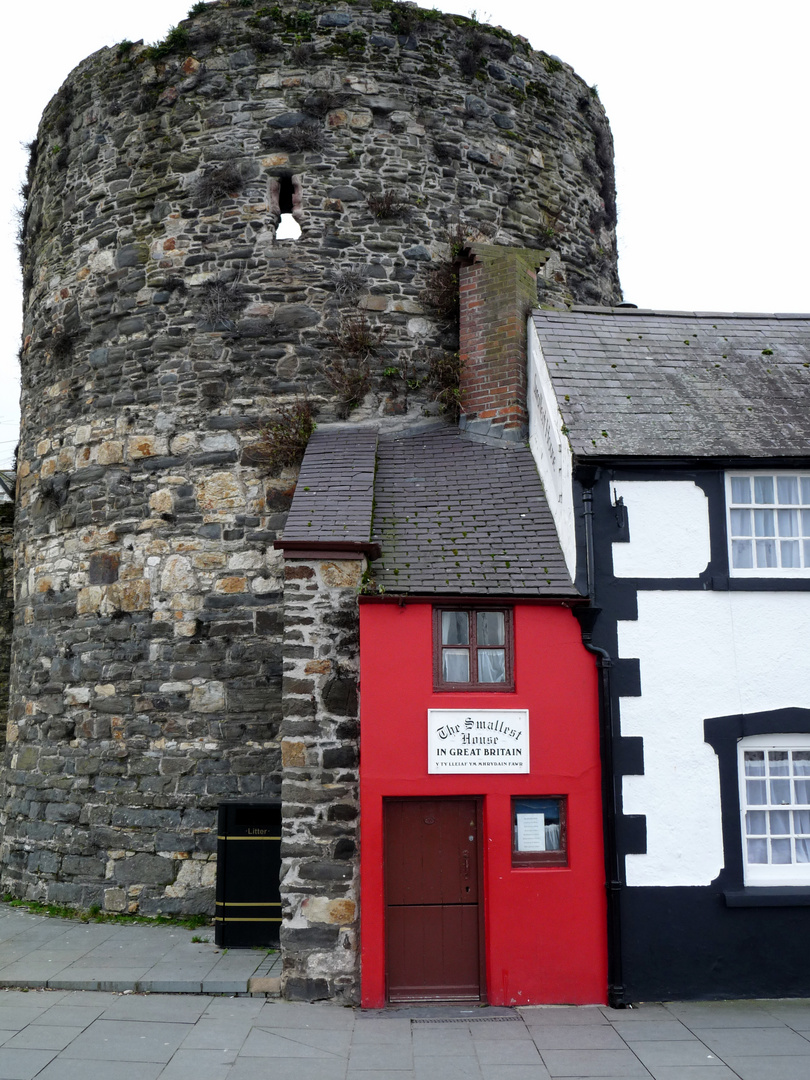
(248, 869)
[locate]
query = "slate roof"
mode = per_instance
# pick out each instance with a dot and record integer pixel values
(334, 495)
(678, 383)
(451, 514)
(456, 516)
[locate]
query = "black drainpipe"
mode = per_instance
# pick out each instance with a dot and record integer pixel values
(607, 727)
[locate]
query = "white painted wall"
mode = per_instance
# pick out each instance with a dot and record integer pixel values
(702, 654)
(669, 529)
(551, 450)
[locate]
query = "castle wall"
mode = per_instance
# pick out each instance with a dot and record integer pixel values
(164, 323)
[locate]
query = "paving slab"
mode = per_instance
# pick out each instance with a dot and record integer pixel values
(23, 1064)
(36, 951)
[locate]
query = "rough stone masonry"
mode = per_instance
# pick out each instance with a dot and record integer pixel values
(164, 323)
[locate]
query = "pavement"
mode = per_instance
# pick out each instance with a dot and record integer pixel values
(66, 954)
(106, 1021)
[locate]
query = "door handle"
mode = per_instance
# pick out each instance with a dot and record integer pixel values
(465, 863)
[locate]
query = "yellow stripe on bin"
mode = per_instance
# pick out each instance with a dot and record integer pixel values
(248, 903)
(248, 837)
(226, 918)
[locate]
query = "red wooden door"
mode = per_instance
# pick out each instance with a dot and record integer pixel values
(433, 924)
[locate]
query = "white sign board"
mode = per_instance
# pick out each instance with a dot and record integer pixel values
(531, 832)
(478, 740)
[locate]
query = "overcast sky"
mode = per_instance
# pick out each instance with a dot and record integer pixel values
(707, 100)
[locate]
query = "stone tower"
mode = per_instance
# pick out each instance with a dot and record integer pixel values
(167, 330)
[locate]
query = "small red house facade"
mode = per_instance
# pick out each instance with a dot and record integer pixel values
(534, 926)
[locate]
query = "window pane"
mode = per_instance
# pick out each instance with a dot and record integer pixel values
(805, 522)
(789, 553)
(756, 823)
(788, 522)
(740, 489)
(801, 822)
(787, 489)
(802, 792)
(778, 764)
(758, 851)
(491, 665)
(754, 763)
(742, 554)
(805, 485)
(455, 665)
(741, 523)
(803, 851)
(801, 762)
(755, 792)
(455, 628)
(780, 822)
(806, 546)
(763, 523)
(766, 553)
(763, 489)
(491, 626)
(780, 852)
(780, 792)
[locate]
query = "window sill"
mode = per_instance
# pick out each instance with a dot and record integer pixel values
(768, 896)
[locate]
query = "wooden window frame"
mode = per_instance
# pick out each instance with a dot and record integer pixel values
(529, 859)
(802, 537)
(770, 873)
(473, 685)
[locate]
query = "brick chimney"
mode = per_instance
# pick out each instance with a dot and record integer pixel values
(497, 290)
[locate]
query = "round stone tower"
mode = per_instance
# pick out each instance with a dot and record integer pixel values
(173, 348)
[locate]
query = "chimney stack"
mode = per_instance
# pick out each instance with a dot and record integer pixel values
(497, 290)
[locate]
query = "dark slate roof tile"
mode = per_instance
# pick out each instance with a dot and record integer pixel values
(453, 515)
(695, 384)
(334, 495)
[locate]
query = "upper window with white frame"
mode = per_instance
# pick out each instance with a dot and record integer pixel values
(774, 775)
(769, 524)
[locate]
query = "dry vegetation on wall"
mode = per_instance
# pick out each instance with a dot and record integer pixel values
(282, 438)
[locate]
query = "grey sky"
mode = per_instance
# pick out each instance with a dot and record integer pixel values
(707, 102)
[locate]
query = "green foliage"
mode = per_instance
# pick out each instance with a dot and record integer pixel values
(176, 39)
(347, 43)
(124, 48)
(197, 9)
(95, 914)
(552, 64)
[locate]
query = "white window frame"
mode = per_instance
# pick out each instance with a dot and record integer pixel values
(803, 537)
(770, 874)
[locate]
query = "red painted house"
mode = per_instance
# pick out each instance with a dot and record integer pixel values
(482, 867)
(481, 874)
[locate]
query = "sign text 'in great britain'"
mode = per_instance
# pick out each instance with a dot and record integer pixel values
(478, 740)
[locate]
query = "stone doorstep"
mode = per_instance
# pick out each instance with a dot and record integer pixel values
(268, 985)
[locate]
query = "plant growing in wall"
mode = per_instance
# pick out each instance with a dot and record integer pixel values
(355, 341)
(225, 181)
(386, 205)
(441, 286)
(175, 40)
(221, 302)
(444, 378)
(283, 437)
